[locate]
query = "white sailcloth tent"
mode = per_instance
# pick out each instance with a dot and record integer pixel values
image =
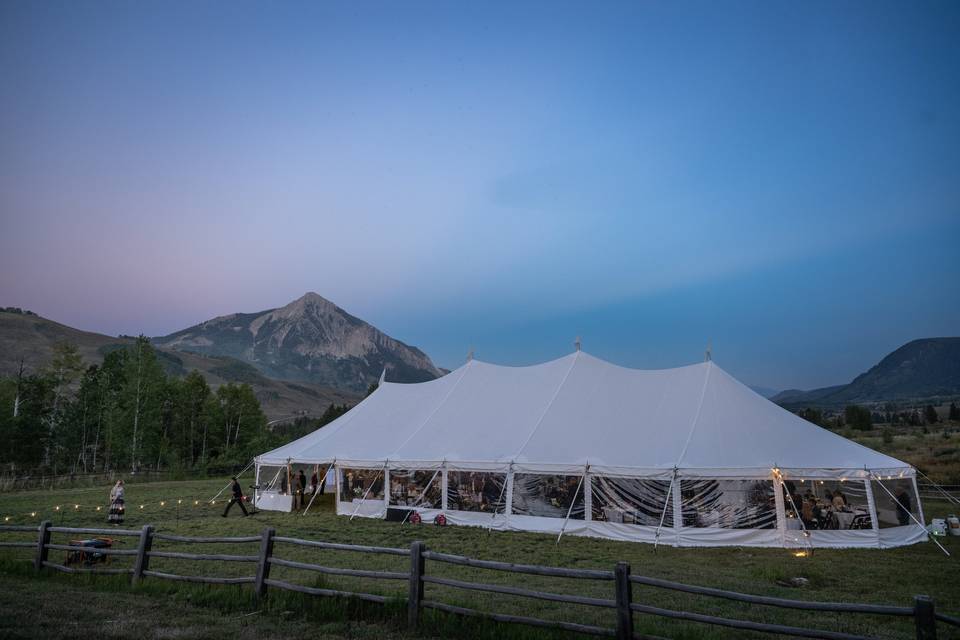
(579, 446)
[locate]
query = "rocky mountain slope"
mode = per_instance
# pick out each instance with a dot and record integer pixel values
(32, 338)
(311, 339)
(925, 368)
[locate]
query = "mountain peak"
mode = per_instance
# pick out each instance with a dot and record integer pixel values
(311, 296)
(309, 339)
(308, 302)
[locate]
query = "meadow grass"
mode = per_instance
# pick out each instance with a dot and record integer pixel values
(852, 575)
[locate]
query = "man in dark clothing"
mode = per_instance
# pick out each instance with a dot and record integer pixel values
(903, 507)
(301, 484)
(237, 498)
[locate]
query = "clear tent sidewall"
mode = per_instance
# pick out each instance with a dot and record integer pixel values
(496, 493)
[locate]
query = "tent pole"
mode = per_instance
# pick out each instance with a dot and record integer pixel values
(666, 503)
(366, 493)
(289, 483)
(573, 502)
(422, 496)
(256, 488)
(909, 513)
(500, 499)
(781, 489)
(317, 490)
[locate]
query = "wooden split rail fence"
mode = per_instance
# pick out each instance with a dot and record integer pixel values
(621, 590)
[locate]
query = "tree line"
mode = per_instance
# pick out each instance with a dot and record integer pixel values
(126, 414)
(862, 418)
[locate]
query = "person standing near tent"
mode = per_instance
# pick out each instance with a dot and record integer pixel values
(236, 499)
(115, 515)
(903, 507)
(301, 488)
(313, 483)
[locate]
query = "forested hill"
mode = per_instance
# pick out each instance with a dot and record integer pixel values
(919, 370)
(28, 338)
(127, 413)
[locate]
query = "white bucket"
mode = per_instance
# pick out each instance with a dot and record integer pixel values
(953, 523)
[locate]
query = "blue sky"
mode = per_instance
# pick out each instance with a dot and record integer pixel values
(777, 179)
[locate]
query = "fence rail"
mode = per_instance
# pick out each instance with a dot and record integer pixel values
(622, 601)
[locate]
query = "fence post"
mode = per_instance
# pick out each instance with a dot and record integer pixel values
(263, 564)
(924, 616)
(416, 583)
(624, 597)
(142, 562)
(42, 543)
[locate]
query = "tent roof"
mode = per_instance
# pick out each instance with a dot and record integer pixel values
(578, 410)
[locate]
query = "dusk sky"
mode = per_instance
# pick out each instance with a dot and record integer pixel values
(781, 180)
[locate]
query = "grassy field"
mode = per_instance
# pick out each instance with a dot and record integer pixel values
(108, 607)
(936, 452)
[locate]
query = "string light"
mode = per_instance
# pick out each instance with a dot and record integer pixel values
(800, 554)
(76, 507)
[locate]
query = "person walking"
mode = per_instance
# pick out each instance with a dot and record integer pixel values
(236, 499)
(115, 514)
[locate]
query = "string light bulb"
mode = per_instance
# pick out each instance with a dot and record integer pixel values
(141, 506)
(179, 501)
(162, 503)
(33, 514)
(56, 508)
(76, 506)
(98, 508)
(196, 502)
